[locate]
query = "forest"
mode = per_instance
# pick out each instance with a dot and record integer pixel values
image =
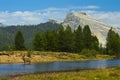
(66, 40)
(7, 33)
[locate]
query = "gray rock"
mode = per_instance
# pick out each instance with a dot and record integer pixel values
(54, 21)
(98, 28)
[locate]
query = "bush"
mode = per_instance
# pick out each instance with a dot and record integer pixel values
(89, 53)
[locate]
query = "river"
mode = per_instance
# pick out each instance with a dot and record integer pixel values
(7, 69)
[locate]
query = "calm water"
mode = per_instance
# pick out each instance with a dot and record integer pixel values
(7, 69)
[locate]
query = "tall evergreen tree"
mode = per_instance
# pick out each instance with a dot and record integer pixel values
(113, 43)
(38, 42)
(95, 43)
(79, 39)
(60, 39)
(51, 40)
(19, 41)
(90, 41)
(68, 40)
(87, 37)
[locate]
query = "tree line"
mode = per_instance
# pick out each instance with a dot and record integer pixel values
(66, 40)
(7, 33)
(113, 43)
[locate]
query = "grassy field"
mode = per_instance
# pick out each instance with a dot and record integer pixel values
(37, 57)
(101, 74)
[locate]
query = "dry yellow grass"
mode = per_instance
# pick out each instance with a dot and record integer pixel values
(37, 57)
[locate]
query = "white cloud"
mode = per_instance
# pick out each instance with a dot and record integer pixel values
(92, 7)
(20, 17)
(2, 21)
(85, 7)
(112, 18)
(38, 16)
(72, 8)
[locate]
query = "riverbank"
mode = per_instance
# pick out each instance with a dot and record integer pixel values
(38, 57)
(99, 74)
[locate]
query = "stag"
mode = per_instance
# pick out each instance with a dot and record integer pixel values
(26, 60)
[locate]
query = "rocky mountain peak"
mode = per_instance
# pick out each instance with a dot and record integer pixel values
(54, 21)
(98, 28)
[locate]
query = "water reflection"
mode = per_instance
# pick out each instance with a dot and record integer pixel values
(6, 69)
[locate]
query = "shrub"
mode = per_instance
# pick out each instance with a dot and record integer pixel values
(89, 53)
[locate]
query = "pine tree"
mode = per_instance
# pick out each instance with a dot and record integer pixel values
(61, 39)
(51, 40)
(113, 43)
(79, 40)
(87, 37)
(95, 43)
(38, 42)
(90, 41)
(19, 41)
(68, 40)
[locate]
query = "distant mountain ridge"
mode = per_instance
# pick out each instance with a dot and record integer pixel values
(7, 33)
(98, 28)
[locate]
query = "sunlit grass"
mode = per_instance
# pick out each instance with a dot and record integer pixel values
(37, 57)
(101, 74)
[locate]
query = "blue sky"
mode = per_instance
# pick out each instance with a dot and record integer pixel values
(37, 11)
(23, 5)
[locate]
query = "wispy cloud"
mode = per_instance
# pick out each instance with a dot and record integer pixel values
(39, 16)
(92, 7)
(86, 7)
(30, 17)
(112, 18)
(72, 8)
(19, 17)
